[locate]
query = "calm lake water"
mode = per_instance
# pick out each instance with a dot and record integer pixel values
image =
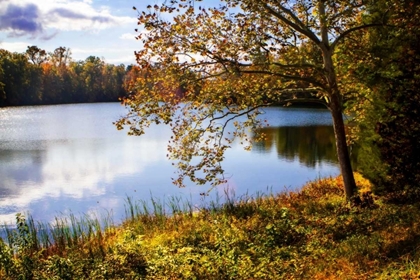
(63, 159)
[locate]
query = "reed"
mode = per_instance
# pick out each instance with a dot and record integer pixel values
(311, 234)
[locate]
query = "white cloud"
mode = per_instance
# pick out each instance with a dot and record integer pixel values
(99, 51)
(128, 36)
(77, 173)
(128, 59)
(15, 46)
(113, 55)
(35, 19)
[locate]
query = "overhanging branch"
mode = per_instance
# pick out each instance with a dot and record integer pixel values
(303, 100)
(289, 77)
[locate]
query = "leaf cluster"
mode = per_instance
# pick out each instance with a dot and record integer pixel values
(388, 114)
(207, 72)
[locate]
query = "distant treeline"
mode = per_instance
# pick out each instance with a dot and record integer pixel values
(37, 77)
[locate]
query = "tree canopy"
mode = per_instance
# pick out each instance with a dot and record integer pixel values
(208, 72)
(37, 77)
(388, 112)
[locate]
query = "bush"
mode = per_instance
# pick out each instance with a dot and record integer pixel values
(390, 133)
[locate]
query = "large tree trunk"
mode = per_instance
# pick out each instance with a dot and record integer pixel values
(335, 106)
(342, 149)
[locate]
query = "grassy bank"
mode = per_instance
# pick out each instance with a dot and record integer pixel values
(311, 234)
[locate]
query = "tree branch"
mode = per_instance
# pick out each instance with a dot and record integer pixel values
(291, 77)
(323, 23)
(348, 31)
(236, 116)
(297, 90)
(304, 100)
(299, 26)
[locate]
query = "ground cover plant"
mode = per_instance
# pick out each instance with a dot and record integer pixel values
(311, 234)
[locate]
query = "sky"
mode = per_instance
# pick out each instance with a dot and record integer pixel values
(103, 28)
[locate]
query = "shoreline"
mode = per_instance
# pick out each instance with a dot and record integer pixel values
(313, 234)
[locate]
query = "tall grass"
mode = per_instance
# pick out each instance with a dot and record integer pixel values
(311, 234)
(65, 232)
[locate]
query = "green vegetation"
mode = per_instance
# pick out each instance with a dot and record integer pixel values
(209, 69)
(37, 77)
(232, 60)
(311, 234)
(388, 109)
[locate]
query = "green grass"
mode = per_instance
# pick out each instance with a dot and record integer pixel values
(310, 234)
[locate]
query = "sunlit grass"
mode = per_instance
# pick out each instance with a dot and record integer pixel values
(311, 234)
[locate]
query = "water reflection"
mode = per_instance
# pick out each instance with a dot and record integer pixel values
(311, 145)
(68, 173)
(56, 159)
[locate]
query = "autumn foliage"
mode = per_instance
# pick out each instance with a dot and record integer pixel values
(36, 77)
(232, 60)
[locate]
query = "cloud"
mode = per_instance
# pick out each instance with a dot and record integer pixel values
(45, 20)
(101, 50)
(113, 55)
(47, 37)
(128, 36)
(126, 60)
(72, 170)
(20, 20)
(15, 46)
(69, 14)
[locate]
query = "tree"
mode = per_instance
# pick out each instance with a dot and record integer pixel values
(2, 85)
(231, 61)
(21, 80)
(389, 116)
(36, 55)
(93, 78)
(78, 81)
(33, 78)
(60, 57)
(112, 87)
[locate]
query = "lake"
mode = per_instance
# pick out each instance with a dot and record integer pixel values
(61, 159)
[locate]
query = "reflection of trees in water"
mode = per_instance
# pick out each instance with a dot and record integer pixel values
(311, 144)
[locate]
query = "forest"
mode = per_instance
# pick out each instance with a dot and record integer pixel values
(38, 77)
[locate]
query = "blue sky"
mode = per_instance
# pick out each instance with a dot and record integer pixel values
(103, 28)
